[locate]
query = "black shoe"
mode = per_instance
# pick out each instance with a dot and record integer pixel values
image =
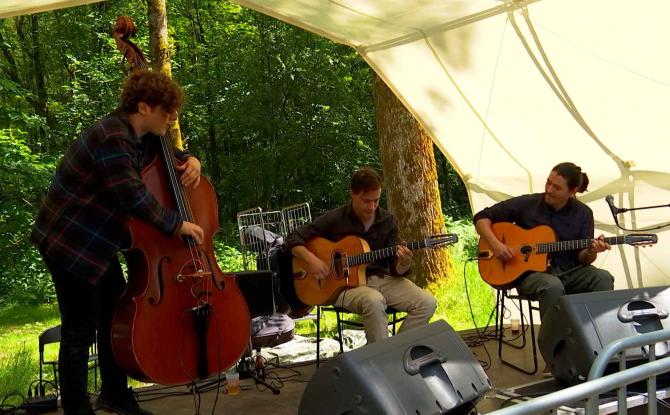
(123, 403)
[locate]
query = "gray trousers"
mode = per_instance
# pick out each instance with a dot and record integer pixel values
(398, 292)
(548, 287)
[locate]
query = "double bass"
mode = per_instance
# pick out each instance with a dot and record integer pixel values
(181, 319)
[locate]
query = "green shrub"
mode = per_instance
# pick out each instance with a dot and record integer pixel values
(25, 178)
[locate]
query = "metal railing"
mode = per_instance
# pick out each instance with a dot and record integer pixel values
(595, 385)
(260, 232)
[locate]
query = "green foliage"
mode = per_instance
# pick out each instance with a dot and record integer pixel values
(455, 202)
(279, 115)
(229, 258)
(25, 178)
(466, 295)
(454, 302)
(468, 239)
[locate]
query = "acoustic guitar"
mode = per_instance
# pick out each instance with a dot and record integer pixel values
(531, 247)
(347, 259)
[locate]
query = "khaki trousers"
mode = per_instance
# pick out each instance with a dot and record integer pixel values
(398, 292)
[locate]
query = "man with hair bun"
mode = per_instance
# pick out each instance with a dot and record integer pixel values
(83, 223)
(386, 284)
(570, 272)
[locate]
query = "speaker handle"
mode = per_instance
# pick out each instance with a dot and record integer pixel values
(413, 366)
(626, 316)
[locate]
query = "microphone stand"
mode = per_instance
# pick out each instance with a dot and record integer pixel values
(624, 210)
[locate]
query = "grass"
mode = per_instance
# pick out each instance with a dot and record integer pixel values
(454, 301)
(20, 327)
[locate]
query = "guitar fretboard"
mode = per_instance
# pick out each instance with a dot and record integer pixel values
(545, 247)
(367, 257)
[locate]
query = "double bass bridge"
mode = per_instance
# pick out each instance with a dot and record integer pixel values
(193, 270)
(195, 275)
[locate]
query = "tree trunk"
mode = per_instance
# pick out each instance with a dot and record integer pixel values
(160, 52)
(410, 179)
(38, 74)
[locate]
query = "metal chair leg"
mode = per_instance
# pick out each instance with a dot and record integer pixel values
(340, 328)
(501, 333)
(318, 336)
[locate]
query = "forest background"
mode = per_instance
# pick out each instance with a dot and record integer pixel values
(277, 115)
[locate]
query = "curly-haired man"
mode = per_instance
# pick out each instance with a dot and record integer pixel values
(83, 223)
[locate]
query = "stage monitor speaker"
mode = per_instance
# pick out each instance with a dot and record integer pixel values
(428, 370)
(580, 326)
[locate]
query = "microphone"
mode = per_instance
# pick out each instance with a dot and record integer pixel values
(610, 202)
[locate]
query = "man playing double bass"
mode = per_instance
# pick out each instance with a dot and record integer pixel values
(83, 222)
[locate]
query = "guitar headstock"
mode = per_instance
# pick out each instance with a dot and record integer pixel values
(641, 239)
(438, 241)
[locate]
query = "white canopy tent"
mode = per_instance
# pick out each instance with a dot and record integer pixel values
(9, 8)
(507, 89)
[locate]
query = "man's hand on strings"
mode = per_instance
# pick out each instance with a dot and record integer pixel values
(317, 268)
(502, 251)
(190, 172)
(192, 230)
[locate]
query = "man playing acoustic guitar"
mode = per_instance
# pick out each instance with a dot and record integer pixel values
(386, 285)
(570, 271)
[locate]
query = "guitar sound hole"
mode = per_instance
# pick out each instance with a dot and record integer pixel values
(337, 265)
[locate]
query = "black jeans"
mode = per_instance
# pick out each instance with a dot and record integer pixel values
(83, 309)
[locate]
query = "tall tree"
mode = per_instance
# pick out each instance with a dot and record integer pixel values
(410, 176)
(160, 51)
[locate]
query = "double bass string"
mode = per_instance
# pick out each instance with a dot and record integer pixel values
(185, 213)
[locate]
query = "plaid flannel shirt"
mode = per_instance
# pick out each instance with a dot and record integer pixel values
(84, 218)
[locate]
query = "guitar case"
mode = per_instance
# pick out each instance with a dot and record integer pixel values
(280, 263)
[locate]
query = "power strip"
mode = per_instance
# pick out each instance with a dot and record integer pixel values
(40, 404)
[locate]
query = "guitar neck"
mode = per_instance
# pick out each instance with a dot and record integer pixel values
(546, 247)
(372, 256)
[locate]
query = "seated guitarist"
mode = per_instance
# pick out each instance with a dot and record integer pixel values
(386, 285)
(570, 272)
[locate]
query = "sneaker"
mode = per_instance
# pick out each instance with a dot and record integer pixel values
(123, 403)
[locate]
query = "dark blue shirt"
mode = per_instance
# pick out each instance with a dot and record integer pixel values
(572, 221)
